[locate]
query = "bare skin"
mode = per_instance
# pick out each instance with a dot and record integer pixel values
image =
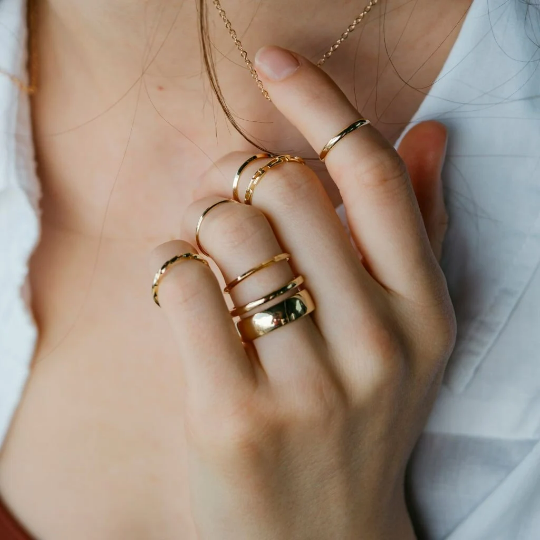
(97, 448)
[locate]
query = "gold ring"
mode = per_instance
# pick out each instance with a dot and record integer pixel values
(199, 223)
(296, 283)
(257, 177)
(170, 263)
(334, 140)
(241, 170)
(288, 311)
(265, 264)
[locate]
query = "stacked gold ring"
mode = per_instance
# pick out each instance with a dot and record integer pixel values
(291, 309)
(254, 270)
(296, 283)
(259, 173)
(240, 170)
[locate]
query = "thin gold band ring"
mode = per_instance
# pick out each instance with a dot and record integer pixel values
(296, 283)
(288, 311)
(334, 140)
(241, 170)
(201, 219)
(249, 273)
(167, 266)
(257, 177)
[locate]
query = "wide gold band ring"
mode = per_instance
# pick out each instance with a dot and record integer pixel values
(258, 268)
(240, 170)
(201, 219)
(296, 283)
(258, 176)
(334, 140)
(168, 265)
(288, 311)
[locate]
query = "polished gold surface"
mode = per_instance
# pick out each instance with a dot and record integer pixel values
(167, 266)
(288, 311)
(199, 223)
(241, 170)
(334, 140)
(296, 283)
(262, 266)
(259, 173)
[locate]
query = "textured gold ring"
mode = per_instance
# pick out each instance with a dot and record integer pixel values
(241, 170)
(334, 140)
(288, 311)
(257, 177)
(168, 265)
(296, 283)
(201, 219)
(258, 268)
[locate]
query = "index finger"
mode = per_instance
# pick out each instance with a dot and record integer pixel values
(381, 206)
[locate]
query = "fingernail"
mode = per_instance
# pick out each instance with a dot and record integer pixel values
(275, 63)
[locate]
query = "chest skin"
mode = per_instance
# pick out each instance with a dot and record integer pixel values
(96, 449)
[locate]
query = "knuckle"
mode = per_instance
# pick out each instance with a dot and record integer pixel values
(291, 184)
(238, 226)
(385, 357)
(182, 285)
(384, 170)
(322, 403)
(234, 430)
(443, 333)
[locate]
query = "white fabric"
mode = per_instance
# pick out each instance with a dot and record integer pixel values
(475, 473)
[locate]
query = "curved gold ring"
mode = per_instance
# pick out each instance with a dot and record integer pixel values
(241, 170)
(288, 311)
(296, 283)
(265, 264)
(167, 266)
(334, 140)
(257, 177)
(199, 223)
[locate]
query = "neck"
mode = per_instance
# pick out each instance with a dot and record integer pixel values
(125, 121)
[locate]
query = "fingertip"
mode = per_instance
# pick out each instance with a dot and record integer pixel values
(424, 148)
(275, 63)
(431, 135)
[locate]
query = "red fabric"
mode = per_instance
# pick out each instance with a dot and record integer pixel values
(10, 529)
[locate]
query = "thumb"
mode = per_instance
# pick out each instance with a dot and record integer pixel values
(423, 150)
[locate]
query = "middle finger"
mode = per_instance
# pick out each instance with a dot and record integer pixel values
(239, 238)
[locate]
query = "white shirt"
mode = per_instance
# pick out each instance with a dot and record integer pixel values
(475, 472)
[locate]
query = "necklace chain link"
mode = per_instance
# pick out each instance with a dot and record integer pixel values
(240, 47)
(234, 36)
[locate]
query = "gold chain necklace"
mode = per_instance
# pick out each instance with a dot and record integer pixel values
(32, 28)
(234, 36)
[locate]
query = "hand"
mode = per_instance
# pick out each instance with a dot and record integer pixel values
(305, 433)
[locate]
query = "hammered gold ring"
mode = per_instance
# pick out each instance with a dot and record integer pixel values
(258, 176)
(334, 140)
(291, 309)
(168, 265)
(241, 170)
